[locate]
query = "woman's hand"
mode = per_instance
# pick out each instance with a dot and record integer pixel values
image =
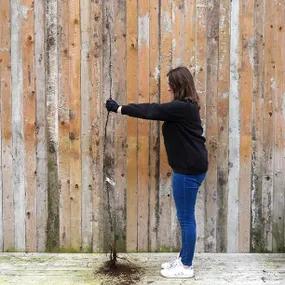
(112, 105)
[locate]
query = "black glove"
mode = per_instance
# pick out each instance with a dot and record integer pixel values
(112, 105)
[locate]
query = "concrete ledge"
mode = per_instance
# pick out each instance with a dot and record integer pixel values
(210, 268)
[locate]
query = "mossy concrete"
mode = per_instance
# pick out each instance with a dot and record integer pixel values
(210, 268)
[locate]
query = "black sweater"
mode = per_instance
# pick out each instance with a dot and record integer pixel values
(182, 132)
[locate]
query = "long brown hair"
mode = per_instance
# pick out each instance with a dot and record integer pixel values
(181, 82)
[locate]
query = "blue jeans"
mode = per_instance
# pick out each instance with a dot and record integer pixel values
(185, 189)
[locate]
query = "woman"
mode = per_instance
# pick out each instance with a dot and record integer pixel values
(187, 156)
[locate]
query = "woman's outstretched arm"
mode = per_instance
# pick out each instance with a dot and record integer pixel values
(172, 111)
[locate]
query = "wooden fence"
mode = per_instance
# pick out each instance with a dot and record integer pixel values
(60, 61)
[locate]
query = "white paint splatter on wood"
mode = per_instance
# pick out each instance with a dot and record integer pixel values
(23, 11)
(174, 46)
(166, 22)
(251, 47)
(283, 105)
(156, 73)
(143, 35)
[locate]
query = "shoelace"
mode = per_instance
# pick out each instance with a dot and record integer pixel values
(173, 262)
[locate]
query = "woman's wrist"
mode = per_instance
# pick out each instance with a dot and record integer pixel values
(119, 110)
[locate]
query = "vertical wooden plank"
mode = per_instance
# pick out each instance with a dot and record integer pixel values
(29, 124)
(278, 201)
(189, 35)
(234, 131)
(201, 55)
(178, 32)
(64, 126)
(18, 12)
(246, 88)
(257, 239)
(267, 178)
(6, 129)
(199, 73)
(211, 125)
(86, 170)
(1, 183)
(132, 160)
(281, 28)
(282, 94)
(113, 86)
(75, 116)
(223, 124)
(97, 124)
(51, 49)
(178, 39)
(154, 70)
(5, 126)
(120, 146)
(190, 22)
(165, 198)
(41, 146)
(143, 126)
(109, 154)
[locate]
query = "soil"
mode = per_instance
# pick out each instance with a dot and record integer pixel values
(123, 273)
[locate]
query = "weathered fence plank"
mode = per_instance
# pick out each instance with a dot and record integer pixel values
(18, 14)
(75, 118)
(29, 115)
(246, 88)
(52, 136)
(86, 129)
(1, 188)
(199, 71)
(109, 199)
(177, 55)
(178, 40)
(120, 125)
(64, 127)
(257, 241)
(223, 125)
(143, 125)
(96, 128)
(154, 73)
(132, 125)
(211, 124)
(190, 22)
(41, 154)
(234, 131)
(278, 199)
(269, 89)
(165, 202)
(7, 205)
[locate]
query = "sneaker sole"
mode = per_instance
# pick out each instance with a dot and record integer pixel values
(165, 267)
(177, 277)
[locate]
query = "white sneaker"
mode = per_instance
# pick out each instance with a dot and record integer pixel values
(178, 271)
(170, 263)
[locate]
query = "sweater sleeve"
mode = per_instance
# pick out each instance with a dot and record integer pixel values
(172, 111)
